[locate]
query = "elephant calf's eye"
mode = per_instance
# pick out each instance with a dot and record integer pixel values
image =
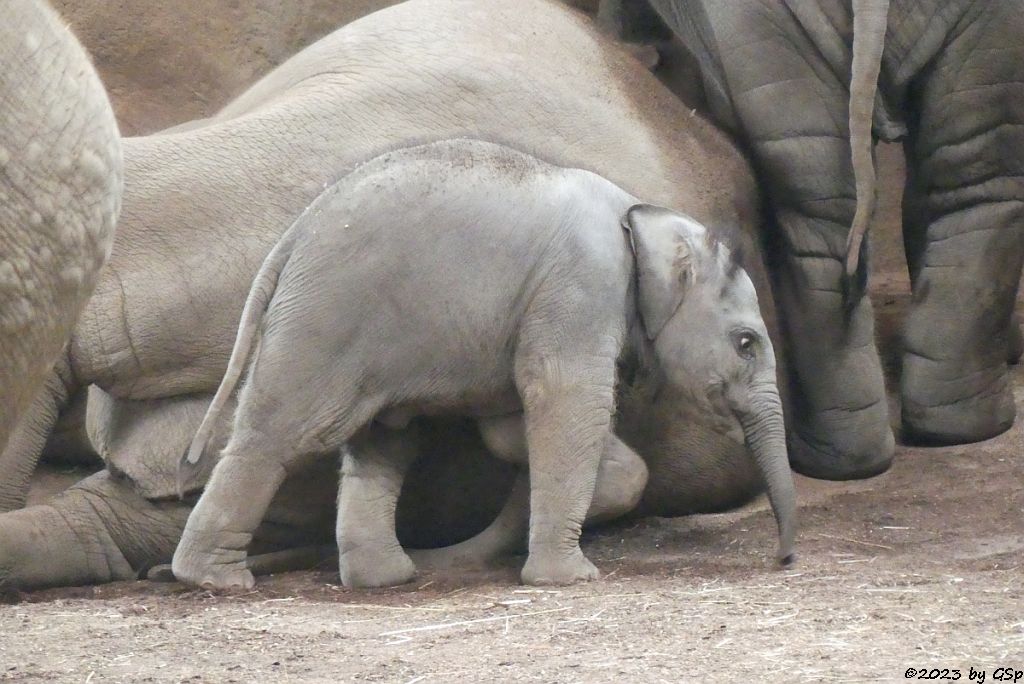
(745, 343)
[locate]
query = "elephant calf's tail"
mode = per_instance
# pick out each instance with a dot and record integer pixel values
(260, 294)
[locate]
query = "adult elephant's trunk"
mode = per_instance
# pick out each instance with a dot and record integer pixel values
(870, 19)
(60, 185)
(765, 433)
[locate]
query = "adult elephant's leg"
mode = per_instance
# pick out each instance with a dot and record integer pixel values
(967, 157)
(839, 419)
(60, 183)
(507, 534)
(100, 530)
(103, 530)
(793, 109)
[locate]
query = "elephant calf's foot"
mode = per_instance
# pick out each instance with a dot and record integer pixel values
(937, 412)
(220, 569)
(552, 568)
(366, 568)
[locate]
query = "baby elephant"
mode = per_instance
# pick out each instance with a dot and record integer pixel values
(463, 277)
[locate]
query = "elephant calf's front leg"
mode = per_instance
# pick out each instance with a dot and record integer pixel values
(369, 554)
(568, 423)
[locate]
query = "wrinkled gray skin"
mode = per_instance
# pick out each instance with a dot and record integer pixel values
(60, 187)
(778, 74)
(204, 205)
(463, 277)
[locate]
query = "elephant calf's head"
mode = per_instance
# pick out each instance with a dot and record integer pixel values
(700, 315)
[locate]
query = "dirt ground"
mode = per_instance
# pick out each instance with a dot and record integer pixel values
(922, 567)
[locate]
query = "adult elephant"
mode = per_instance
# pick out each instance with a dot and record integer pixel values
(60, 181)
(204, 204)
(165, 63)
(801, 83)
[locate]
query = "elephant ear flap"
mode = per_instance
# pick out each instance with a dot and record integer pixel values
(665, 248)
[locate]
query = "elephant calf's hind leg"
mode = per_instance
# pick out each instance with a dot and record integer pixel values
(213, 547)
(369, 554)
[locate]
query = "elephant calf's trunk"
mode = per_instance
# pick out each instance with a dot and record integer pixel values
(765, 434)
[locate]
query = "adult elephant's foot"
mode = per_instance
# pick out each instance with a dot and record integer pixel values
(843, 444)
(837, 412)
(955, 385)
(942, 404)
(214, 564)
(839, 425)
(558, 568)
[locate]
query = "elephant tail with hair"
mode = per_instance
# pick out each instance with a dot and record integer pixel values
(260, 294)
(870, 20)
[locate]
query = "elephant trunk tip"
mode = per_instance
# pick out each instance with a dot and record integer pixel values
(786, 556)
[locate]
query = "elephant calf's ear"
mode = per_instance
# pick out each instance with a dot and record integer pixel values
(664, 247)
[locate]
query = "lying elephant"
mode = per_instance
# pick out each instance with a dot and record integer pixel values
(204, 204)
(60, 187)
(463, 277)
(165, 63)
(943, 76)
